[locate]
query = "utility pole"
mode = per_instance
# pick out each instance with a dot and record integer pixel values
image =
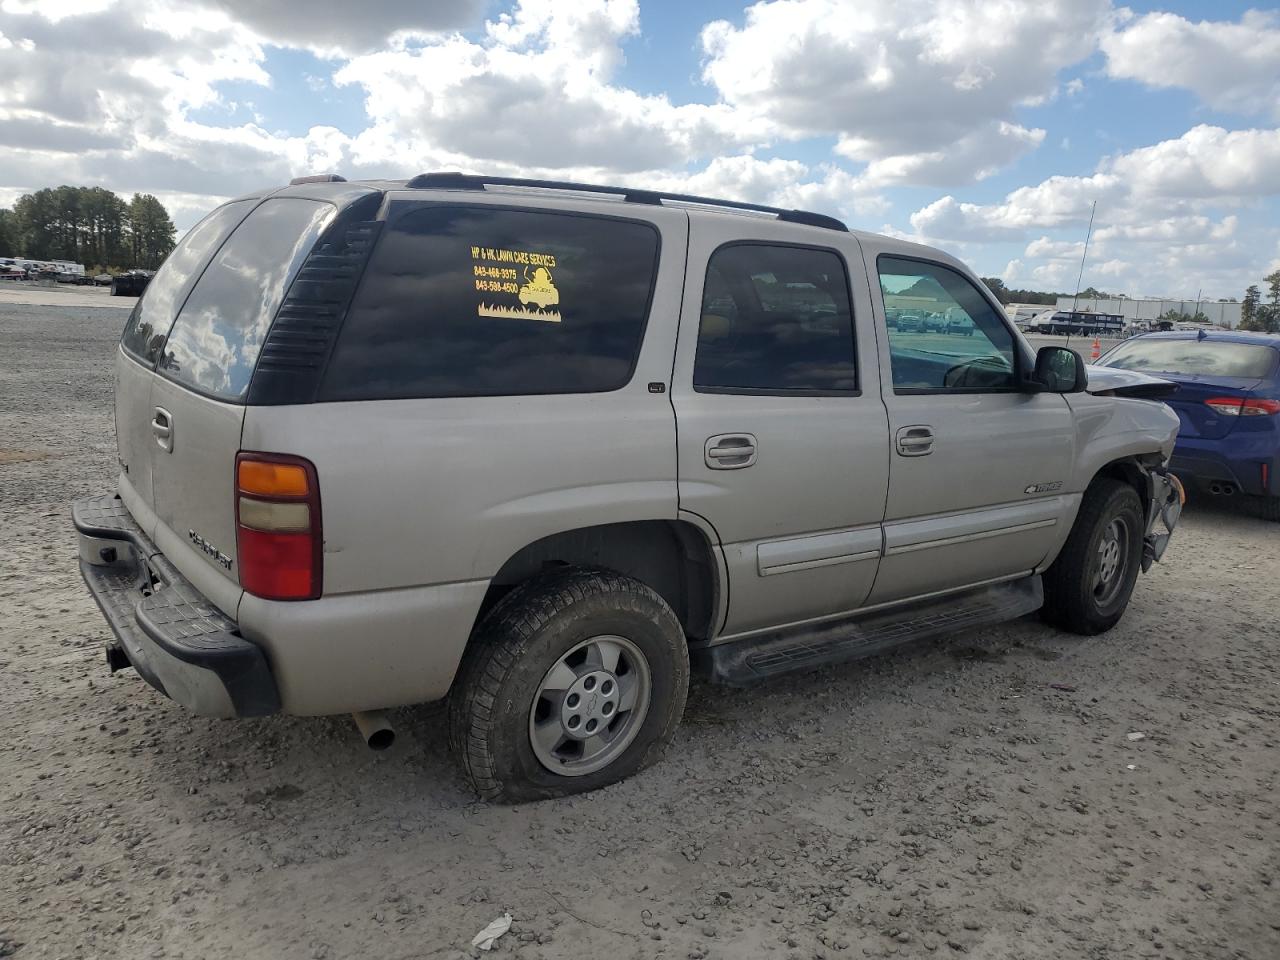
(1075, 301)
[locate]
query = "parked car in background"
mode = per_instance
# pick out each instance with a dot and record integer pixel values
(961, 326)
(1228, 402)
(362, 466)
(130, 284)
(102, 280)
(908, 323)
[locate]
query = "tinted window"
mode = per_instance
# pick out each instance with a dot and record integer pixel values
(775, 319)
(216, 338)
(1194, 357)
(943, 334)
(151, 319)
(476, 301)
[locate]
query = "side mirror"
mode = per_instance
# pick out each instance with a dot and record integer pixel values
(1060, 370)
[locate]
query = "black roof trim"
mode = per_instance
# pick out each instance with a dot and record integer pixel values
(318, 178)
(466, 181)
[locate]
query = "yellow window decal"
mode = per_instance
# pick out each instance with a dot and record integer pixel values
(521, 274)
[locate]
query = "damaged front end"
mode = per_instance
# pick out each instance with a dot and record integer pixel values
(1163, 509)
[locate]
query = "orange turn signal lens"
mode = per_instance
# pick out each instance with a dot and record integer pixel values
(271, 479)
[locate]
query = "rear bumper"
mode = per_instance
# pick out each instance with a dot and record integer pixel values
(175, 638)
(1235, 460)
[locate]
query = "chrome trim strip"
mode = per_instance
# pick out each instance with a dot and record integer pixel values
(969, 537)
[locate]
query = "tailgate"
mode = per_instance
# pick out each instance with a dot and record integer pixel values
(202, 378)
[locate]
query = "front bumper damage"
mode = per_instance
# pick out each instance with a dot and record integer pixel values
(1163, 510)
(164, 628)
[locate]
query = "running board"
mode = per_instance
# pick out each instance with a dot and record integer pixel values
(743, 662)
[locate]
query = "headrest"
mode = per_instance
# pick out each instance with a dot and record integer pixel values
(714, 326)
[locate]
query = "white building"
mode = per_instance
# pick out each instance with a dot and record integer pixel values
(1223, 314)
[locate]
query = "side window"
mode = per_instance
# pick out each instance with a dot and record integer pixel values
(481, 301)
(215, 341)
(152, 317)
(943, 334)
(775, 319)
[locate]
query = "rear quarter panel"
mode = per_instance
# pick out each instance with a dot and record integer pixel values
(443, 490)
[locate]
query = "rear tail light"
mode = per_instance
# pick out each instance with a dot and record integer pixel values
(1241, 407)
(278, 533)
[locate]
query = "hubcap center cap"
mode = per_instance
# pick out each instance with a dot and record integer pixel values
(590, 704)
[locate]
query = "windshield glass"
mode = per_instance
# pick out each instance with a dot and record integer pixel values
(1209, 358)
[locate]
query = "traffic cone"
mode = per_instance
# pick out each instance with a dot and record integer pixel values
(1097, 349)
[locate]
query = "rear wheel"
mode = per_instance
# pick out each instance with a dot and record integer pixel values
(574, 680)
(1088, 587)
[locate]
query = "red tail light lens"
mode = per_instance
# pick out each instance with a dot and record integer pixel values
(278, 531)
(1241, 407)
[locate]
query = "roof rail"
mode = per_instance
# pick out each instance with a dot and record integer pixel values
(318, 178)
(467, 181)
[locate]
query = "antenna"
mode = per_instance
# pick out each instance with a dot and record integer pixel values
(1075, 301)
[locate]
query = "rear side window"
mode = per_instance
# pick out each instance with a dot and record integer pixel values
(1194, 358)
(151, 319)
(217, 336)
(775, 319)
(479, 301)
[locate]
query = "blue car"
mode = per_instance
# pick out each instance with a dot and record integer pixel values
(1228, 400)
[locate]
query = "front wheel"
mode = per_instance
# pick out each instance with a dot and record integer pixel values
(575, 680)
(1089, 585)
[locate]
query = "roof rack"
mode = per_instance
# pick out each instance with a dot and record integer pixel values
(466, 181)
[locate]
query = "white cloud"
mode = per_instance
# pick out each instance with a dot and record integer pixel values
(1206, 165)
(1229, 66)
(902, 84)
(1165, 213)
(535, 94)
(336, 25)
(976, 155)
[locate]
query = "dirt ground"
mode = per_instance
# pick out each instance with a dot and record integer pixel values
(985, 796)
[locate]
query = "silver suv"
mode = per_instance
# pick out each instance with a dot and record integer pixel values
(544, 448)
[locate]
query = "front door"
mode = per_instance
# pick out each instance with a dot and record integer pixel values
(977, 467)
(782, 437)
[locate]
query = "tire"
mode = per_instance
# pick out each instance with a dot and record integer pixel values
(499, 700)
(1268, 508)
(1074, 598)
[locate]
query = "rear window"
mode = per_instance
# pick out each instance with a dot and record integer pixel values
(479, 301)
(151, 319)
(217, 336)
(1210, 358)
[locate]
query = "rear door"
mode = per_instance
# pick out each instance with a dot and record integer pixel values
(202, 378)
(144, 334)
(782, 438)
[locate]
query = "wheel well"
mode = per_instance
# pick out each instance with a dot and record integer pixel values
(672, 557)
(1132, 471)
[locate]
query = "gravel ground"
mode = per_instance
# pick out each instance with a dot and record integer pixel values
(985, 795)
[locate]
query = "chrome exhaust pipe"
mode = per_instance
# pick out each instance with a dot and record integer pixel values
(375, 728)
(1228, 489)
(1215, 489)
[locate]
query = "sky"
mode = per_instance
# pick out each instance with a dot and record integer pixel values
(985, 127)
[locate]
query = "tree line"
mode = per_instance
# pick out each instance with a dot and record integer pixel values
(1259, 316)
(89, 225)
(1007, 295)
